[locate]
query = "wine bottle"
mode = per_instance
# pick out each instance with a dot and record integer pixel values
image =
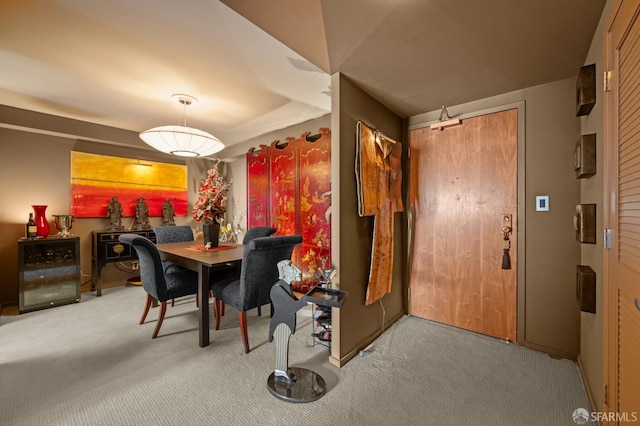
(32, 229)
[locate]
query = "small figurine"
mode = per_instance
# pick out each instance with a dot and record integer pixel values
(142, 215)
(114, 213)
(167, 214)
(288, 271)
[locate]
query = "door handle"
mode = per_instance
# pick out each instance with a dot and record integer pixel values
(506, 240)
(637, 303)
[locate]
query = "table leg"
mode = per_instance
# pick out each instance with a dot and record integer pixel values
(203, 292)
(94, 274)
(96, 278)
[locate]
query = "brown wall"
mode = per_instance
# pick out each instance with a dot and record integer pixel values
(552, 320)
(592, 191)
(357, 325)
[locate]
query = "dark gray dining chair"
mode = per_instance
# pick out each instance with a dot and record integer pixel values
(159, 283)
(172, 234)
(255, 232)
(258, 273)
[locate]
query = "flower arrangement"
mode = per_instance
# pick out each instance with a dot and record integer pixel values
(210, 205)
(229, 232)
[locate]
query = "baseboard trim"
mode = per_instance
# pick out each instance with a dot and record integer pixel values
(587, 386)
(339, 362)
(551, 351)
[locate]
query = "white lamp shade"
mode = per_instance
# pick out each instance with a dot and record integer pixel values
(182, 141)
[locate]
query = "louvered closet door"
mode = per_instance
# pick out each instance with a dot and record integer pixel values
(622, 126)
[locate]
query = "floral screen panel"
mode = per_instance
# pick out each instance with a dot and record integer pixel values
(258, 187)
(294, 187)
(315, 202)
(96, 179)
(283, 184)
(283, 194)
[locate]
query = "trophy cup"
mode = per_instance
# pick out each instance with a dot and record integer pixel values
(326, 277)
(63, 224)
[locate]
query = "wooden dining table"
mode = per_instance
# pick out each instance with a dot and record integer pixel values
(208, 263)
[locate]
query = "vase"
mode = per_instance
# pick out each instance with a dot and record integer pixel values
(211, 234)
(42, 224)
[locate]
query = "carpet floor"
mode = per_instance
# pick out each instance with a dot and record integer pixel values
(90, 363)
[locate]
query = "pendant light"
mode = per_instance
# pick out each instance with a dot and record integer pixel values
(182, 140)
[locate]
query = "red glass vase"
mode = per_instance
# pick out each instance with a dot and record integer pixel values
(42, 224)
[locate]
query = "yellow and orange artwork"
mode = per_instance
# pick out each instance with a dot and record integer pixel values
(96, 179)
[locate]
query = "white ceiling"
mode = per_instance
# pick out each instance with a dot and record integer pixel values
(117, 62)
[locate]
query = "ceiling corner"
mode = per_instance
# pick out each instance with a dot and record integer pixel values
(299, 25)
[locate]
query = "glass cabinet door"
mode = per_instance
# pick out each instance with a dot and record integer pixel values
(49, 271)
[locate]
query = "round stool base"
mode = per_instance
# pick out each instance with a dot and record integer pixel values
(308, 386)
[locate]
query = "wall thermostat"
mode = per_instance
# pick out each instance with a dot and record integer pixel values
(542, 203)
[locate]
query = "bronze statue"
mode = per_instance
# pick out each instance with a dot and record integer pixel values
(167, 214)
(114, 213)
(142, 215)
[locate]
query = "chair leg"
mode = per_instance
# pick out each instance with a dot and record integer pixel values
(173, 302)
(146, 309)
(259, 311)
(163, 310)
(217, 308)
(214, 303)
(243, 331)
(197, 300)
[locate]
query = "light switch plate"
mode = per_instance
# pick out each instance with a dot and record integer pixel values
(542, 203)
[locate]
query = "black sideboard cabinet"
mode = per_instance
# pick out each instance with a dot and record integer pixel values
(49, 270)
(106, 248)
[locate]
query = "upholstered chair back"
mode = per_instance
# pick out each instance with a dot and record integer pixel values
(170, 234)
(151, 271)
(259, 269)
(162, 284)
(258, 232)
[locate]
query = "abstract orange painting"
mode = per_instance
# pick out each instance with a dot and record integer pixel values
(96, 179)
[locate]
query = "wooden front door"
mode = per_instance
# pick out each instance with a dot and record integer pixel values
(622, 214)
(463, 179)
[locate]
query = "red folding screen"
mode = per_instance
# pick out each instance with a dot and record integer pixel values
(289, 188)
(258, 187)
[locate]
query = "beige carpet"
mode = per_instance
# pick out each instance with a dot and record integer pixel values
(91, 364)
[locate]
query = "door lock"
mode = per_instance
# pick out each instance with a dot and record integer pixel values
(506, 223)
